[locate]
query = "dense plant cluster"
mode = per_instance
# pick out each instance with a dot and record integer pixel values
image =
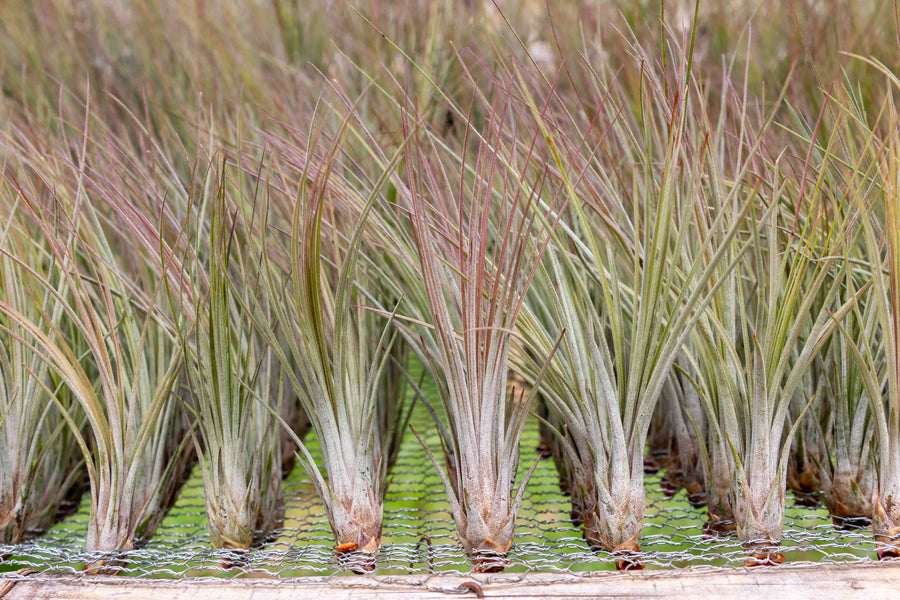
(225, 223)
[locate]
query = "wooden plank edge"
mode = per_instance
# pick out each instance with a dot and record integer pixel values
(858, 580)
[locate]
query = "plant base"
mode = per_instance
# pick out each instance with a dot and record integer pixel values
(107, 564)
(803, 481)
(235, 559)
(888, 544)
(848, 523)
(671, 483)
(654, 461)
(488, 561)
(806, 499)
(352, 559)
(696, 496)
(627, 555)
(763, 554)
(718, 527)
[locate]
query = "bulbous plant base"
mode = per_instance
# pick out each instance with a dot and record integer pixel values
(577, 517)
(763, 553)
(654, 461)
(886, 526)
(109, 546)
(488, 562)
(805, 485)
(235, 559)
(850, 523)
(848, 512)
(718, 526)
(671, 483)
(675, 480)
(354, 560)
(806, 499)
(14, 530)
(111, 563)
(888, 544)
(359, 556)
(696, 494)
(236, 539)
(231, 534)
(488, 556)
(626, 554)
(486, 528)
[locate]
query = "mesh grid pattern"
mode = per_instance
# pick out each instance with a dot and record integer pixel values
(420, 536)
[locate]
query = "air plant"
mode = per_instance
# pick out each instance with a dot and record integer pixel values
(846, 430)
(659, 439)
(803, 478)
(605, 413)
(552, 292)
(342, 356)
(878, 358)
(478, 242)
(39, 458)
(755, 347)
(130, 409)
(102, 236)
(228, 373)
(624, 295)
(686, 423)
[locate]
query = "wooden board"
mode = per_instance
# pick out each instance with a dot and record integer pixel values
(807, 582)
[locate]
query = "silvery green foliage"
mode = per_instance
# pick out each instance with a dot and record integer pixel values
(342, 356)
(38, 452)
(477, 238)
(229, 375)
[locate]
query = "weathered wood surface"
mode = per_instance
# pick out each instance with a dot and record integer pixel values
(807, 582)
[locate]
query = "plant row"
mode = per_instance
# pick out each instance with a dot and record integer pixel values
(692, 272)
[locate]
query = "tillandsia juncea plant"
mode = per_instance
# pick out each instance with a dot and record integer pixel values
(625, 298)
(228, 367)
(106, 196)
(754, 349)
(40, 462)
(686, 422)
(478, 241)
(609, 332)
(659, 439)
(803, 465)
(344, 359)
(131, 411)
(878, 359)
(846, 430)
(847, 451)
